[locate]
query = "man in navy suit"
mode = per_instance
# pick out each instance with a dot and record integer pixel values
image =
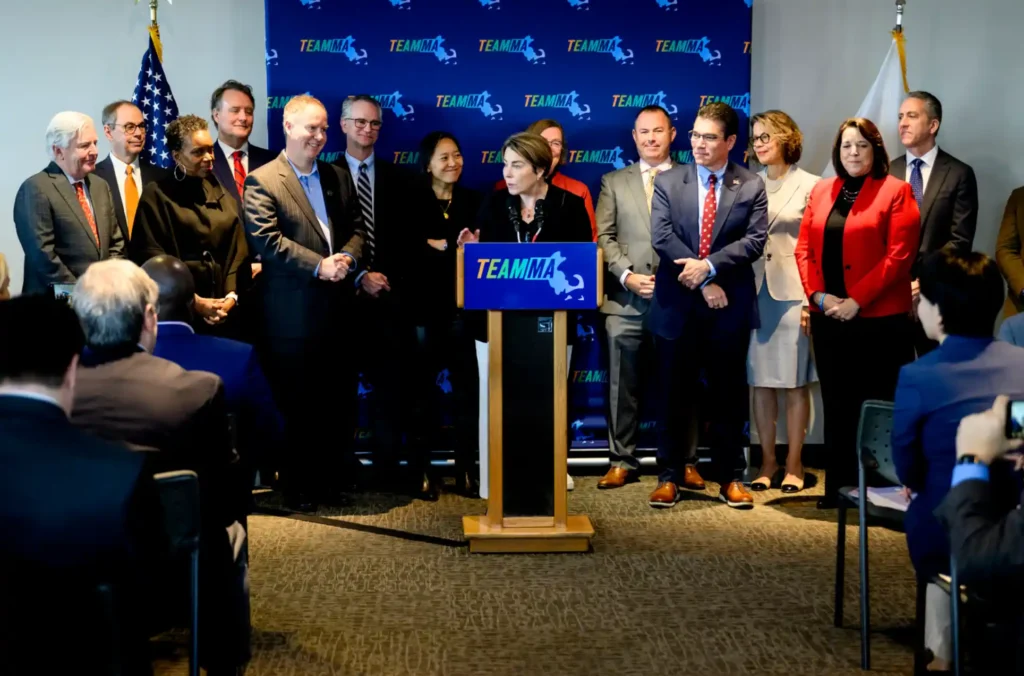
(257, 421)
(709, 223)
(961, 295)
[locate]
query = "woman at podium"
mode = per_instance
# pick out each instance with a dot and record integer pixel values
(528, 209)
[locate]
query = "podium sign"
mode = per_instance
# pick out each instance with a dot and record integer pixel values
(531, 276)
(526, 290)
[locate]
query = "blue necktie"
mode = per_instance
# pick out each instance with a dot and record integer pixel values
(917, 181)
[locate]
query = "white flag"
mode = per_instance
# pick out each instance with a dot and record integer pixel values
(882, 104)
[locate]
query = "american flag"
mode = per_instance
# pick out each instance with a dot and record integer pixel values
(153, 96)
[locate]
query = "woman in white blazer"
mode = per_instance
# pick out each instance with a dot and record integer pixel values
(780, 350)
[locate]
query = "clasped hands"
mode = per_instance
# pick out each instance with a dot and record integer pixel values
(695, 272)
(213, 310)
(843, 309)
(334, 268)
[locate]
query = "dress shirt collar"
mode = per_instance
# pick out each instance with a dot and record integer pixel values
(299, 174)
(35, 396)
(664, 166)
(353, 164)
(704, 174)
(119, 165)
(229, 151)
(73, 181)
(928, 157)
(174, 328)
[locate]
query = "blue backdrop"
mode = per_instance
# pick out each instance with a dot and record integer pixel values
(485, 69)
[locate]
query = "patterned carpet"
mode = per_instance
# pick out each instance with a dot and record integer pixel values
(699, 589)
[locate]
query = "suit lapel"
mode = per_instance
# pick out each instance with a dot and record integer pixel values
(730, 184)
(63, 186)
(105, 170)
(898, 168)
(635, 180)
(938, 175)
(291, 183)
(98, 207)
(332, 190)
(691, 205)
(224, 173)
(786, 193)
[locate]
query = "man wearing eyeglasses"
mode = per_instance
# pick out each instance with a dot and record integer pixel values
(123, 169)
(709, 223)
(387, 334)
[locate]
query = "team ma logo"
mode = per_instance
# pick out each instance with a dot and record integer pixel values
(736, 102)
(490, 4)
(611, 46)
(537, 269)
(580, 5)
(481, 102)
(406, 157)
(279, 102)
(433, 46)
(522, 46)
(562, 101)
(271, 57)
(344, 46)
(401, 4)
(611, 156)
(393, 102)
(644, 100)
(699, 47)
(310, 4)
(682, 156)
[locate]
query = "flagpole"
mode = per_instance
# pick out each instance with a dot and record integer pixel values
(900, 4)
(152, 11)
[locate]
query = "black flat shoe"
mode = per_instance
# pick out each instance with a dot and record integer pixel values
(759, 485)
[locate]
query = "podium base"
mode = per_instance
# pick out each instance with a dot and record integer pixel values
(484, 538)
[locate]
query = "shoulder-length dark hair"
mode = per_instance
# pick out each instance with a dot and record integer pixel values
(867, 129)
(429, 144)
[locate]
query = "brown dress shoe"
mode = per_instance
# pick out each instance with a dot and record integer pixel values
(735, 495)
(691, 479)
(664, 496)
(617, 477)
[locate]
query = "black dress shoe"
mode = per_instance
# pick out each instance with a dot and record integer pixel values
(467, 485)
(828, 502)
(428, 489)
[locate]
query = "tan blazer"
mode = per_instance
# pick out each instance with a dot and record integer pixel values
(1008, 250)
(624, 234)
(785, 212)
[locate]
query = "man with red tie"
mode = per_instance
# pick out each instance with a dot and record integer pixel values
(709, 223)
(64, 216)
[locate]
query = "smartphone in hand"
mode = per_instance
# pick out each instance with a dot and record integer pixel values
(1015, 419)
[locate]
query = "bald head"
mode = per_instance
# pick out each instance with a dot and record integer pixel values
(177, 288)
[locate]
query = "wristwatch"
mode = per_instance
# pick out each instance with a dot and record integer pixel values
(445, 247)
(967, 460)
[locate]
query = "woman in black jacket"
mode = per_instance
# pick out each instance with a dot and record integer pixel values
(443, 339)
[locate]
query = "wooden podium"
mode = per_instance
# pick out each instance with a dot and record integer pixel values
(527, 295)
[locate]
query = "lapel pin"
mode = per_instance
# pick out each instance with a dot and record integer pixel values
(735, 181)
(330, 193)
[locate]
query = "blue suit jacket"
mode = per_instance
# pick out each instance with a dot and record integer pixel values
(962, 376)
(248, 394)
(737, 240)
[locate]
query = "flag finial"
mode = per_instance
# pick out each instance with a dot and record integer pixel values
(900, 4)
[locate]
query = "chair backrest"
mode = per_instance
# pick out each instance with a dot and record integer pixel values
(179, 497)
(874, 439)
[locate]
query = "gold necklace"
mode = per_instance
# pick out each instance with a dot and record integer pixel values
(446, 208)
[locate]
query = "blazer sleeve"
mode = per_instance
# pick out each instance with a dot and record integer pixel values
(265, 236)
(666, 243)
(238, 252)
(906, 433)
(1008, 245)
(802, 251)
(965, 212)
(985, 543)
(33, 221)
(588, 203)
(904, 232)
(750, 246)
(607, 231)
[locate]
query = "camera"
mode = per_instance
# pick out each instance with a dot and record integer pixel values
(1015, 419)
(62, 292)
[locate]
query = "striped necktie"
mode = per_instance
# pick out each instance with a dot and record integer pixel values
(366, 204)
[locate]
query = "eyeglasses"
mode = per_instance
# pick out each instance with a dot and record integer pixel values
(130, 128)
(361, 123)
(708, 138)
(555, 144)
(763, 139)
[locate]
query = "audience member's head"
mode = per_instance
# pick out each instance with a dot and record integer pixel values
(40, 342)
(5, 279)
(72, 143)
(176, 287)
(961, 295)
(117, 304)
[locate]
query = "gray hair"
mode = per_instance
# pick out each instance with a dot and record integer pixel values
(299, 103)
(109, 115)
(346, 105)
(110, 300)
(63, 128)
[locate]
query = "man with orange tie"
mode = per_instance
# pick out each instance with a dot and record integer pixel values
(63, 215)
(123, 169)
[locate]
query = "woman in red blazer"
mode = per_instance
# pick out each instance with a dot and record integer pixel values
(858, 238)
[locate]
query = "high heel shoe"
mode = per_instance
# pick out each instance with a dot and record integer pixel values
(467, 485)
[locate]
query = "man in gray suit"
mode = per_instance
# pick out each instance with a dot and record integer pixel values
(945, 188)
(302, 217)
(64, 216)
(624, 233)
